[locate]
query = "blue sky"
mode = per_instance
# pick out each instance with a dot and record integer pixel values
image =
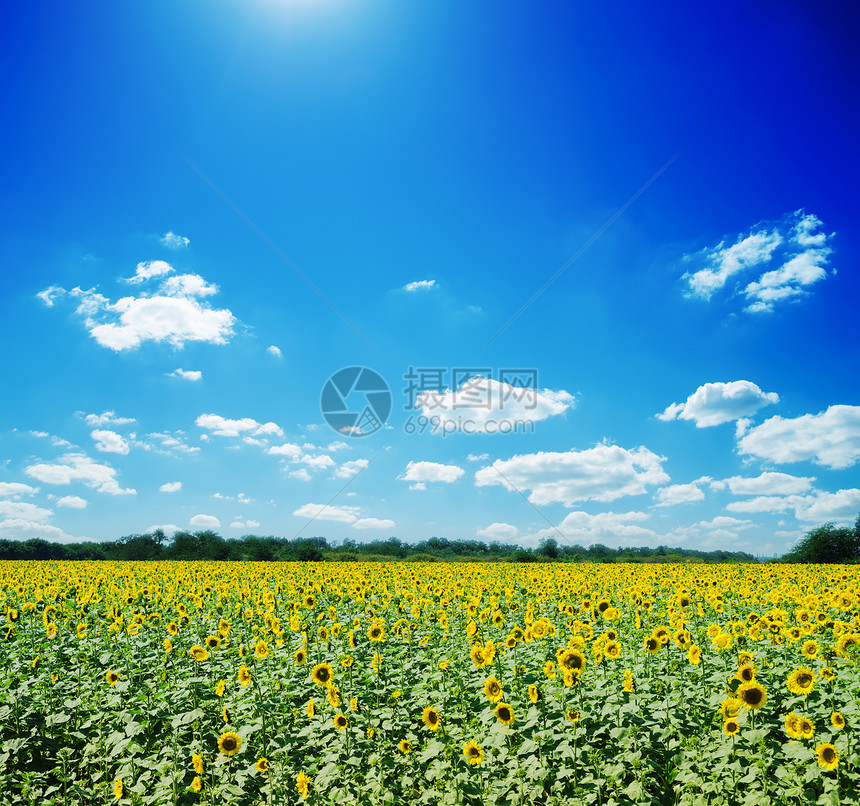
(211, 208)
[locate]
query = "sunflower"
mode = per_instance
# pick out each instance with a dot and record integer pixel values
(652, 644)
(572, 660)
(244, 675)
(730, 707)
(229, 743)
(311, 708)
(376, 632)
(612, 650)
(340, 721)
(746, 673)
(225, 715)
(493, 689)
(262, 765)
(404, 747)
(213, 641)
(303, 784)
(333, 695)
(629, 684)
(353, 704)
(309, 602)
(347, 661)
(827, 672)
(534, 693)
(112, 677)
(196, 784)
(792, 727)
(837, 720)
(431, 718)
(301, 657)
(549, 669)
(573, 715)
(827, 756)
(694, 655)
(322, 674)
(805, 727)
(810, 649)
(753, 695)
(801, 681)
(731, 727)
(473, 753)
(199, 653)
(261, 649)
(168, 645)
(118, 789)
(504, 713)
(197, 763)
(220, 686)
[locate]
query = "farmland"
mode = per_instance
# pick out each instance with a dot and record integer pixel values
(253, 683)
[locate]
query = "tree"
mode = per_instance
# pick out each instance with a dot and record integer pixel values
(827, 544)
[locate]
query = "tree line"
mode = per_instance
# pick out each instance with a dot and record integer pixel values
(209, 545)
(827, 543)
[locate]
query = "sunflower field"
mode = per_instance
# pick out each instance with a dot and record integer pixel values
(411, 683)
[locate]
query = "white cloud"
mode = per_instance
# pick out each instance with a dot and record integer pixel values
(725, 261)
(318, 462)
(167, 528)
(321, 512)
(789, 258)
(22, 529)
(487, 406)
(25, 511)
(171, 444)
(681, 493)
(274, 350)
(420, 285)
(716, 403)
(78, 467)
(170, 487)
(174, 313)
(830, 438)
(373, 523)
(148, 269)
(602, 473)
(769, 483)
(110, 442)
(287, 449)
(477, 457)
(499, 531)
(185, 374)
(419, 485)
(105, 418)
(223, 427)
(432, 471)
(240, 524)
(72, 502)
(49, 295)
(842, 505)
(301, 474)
(608, 528)
(815, 507)
(205, 522)
(15, 488)
(173, 241)
(337, 446)
(348, 469)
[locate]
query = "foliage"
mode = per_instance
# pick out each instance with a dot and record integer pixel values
(828, 544)
(151, 683)
(208, 545)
